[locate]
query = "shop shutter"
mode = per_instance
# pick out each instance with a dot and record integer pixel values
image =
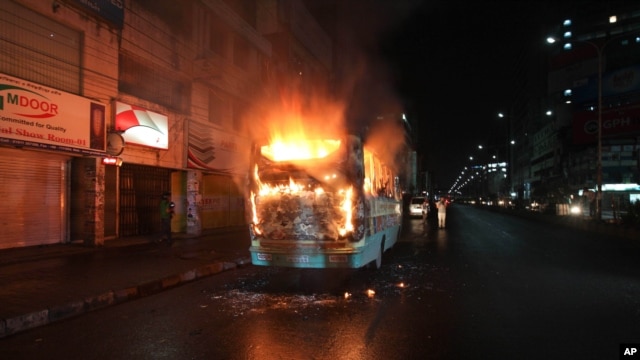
(33, 191)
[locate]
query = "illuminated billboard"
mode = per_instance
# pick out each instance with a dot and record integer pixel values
(141, 126)
(38, 116)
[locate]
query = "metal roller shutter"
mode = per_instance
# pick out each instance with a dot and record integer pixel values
(33, 191)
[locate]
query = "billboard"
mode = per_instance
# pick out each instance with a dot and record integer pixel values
(141, 126)
(618, 122)
(615, 83)
(38, 116)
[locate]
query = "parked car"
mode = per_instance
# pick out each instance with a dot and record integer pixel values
(417, 206)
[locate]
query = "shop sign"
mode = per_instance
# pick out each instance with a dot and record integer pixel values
(35, 115)
(141, 126)
(109, 10)
(617, 122)
(216, 150)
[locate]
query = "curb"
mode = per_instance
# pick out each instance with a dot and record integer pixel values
(16, 324)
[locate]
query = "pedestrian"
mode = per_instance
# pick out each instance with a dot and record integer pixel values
(425, 210)
(166, 213)
(442, 212)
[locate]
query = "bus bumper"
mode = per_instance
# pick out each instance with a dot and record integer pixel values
(310, 260)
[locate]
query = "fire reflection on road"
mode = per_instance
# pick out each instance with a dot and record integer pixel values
(289, 312)
(239, 302)
(301, 291)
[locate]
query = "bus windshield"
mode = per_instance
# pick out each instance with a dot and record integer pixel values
(302, 198)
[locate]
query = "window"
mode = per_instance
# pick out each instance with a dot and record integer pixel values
(216, 108)
(220, 108)
(240, 109)
(217, 36)
(379, 179)
(246, 9)
(241, 53)
(30, 41)
(153, 84)
(211, 32)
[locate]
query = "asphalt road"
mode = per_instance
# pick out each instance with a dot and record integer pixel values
(489, 286)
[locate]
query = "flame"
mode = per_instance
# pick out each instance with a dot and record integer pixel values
(266, 190)
(299, 149)
(292, 188)
(347, 207)
(253, 199)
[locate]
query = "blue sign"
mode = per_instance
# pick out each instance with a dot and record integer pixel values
(109, 10)
(621, 81)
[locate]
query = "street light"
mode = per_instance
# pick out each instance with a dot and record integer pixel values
(599, 50)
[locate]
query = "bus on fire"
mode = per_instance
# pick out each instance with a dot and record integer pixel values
(326, 203)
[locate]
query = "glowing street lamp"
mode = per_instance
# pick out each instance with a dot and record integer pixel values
(599, 47)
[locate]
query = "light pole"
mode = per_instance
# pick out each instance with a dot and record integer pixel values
(508, 145)
(599, 50)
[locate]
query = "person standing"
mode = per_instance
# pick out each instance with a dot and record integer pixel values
(425, 210)
(166, 213)
(442, 212)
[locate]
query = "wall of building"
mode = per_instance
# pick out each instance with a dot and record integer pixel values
(160, 57)
(82, 61)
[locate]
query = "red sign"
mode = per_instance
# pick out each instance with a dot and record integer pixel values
(142, 126)
(619, 122)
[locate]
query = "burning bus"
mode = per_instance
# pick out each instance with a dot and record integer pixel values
(321, 203)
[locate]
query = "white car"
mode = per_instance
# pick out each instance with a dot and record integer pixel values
(416, 206)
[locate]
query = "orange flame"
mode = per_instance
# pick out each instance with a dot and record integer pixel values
(347, 207)
(267, 190)
(294, 126)
(292, 188)
(299, 149)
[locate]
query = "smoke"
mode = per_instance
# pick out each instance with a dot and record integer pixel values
(310, 114)
(348, 98)
(386, 139)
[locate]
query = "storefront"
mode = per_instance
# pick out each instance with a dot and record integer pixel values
(53, 121)
(33, 196)
(141, 188)
(43, 133)
(217, 198)
(222, 201)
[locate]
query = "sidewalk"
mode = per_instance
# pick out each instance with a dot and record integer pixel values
(40, 285)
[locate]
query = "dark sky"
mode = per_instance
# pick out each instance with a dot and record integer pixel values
(450, 64)
(453, 66)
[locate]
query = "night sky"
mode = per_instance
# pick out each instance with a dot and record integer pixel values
(453, 68)
(450, 65)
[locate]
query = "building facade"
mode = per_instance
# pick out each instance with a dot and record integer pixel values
(592, 82)
(554, 115)
(105, 105)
